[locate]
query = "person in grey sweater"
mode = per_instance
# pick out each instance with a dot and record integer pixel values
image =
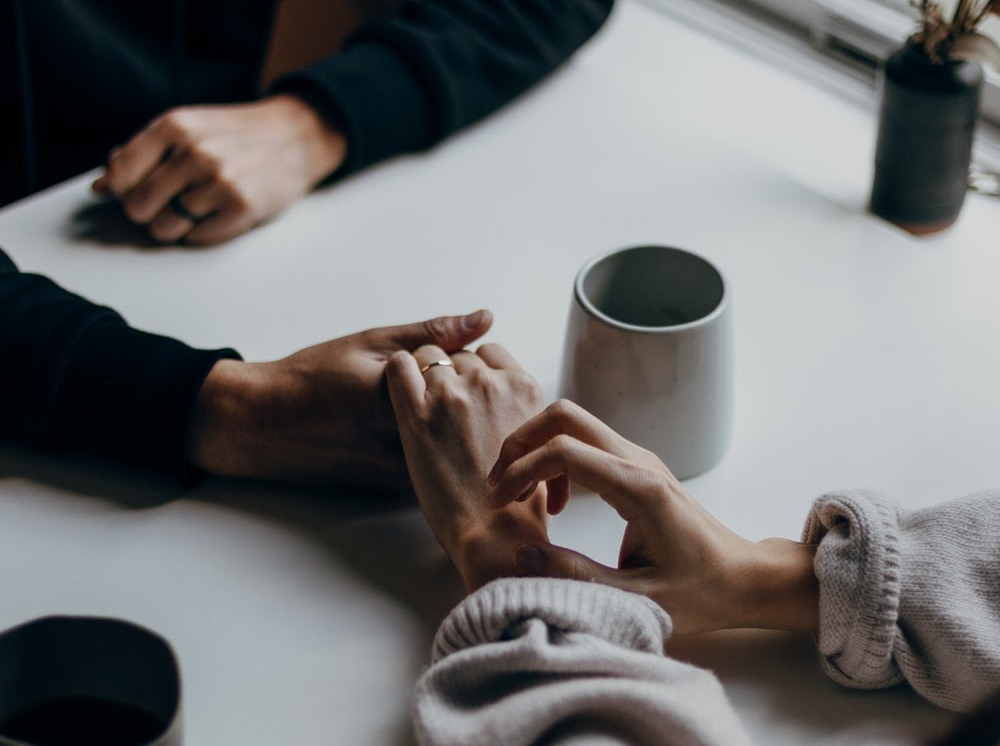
(541, 653)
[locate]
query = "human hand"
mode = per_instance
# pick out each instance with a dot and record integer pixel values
(673, 551)
(452, 420)
(230, 166)
(319, 417)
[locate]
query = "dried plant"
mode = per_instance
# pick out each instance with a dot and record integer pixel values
(957, 37)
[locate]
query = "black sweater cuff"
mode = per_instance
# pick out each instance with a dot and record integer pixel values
(129, 395)
(373, 96)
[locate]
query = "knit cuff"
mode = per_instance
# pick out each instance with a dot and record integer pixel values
(858, 567)
(129, 395)
(624, 619)
(372, 95)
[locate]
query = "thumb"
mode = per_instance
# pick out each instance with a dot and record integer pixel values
(450, 333)
(548, 560)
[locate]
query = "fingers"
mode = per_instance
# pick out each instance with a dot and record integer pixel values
(466, 362)
(450, 333)
(434, 363)
(557, 494)
(130, 164)
(223, 225)
(497, 357)
(406, 384)
(151, 196)
(561, 417)
(548, 560)
(625, 486)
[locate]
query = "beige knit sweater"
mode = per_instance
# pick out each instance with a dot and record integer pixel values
(912, 598)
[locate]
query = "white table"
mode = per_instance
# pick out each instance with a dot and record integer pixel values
(865, 358)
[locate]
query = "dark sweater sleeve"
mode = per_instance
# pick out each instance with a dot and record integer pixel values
(75, 377)
(405, 82)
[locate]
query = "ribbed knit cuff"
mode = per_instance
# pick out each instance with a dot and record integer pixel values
(128, 395)
(372, 95)
(625, 619)
(858, 567)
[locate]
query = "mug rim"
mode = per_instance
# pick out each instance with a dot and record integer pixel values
(591, 309)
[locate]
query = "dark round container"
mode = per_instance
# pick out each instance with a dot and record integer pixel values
(926, 125)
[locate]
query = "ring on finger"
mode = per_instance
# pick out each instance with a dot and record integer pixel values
(177, 206)
(444, 363)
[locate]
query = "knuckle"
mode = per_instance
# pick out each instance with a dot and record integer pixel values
(164, 233)
(652, 483)
(395, 364)
(562, 446)
(204, 160)
(175, 124)
(436, 328)
(525, 386)
(136, 207)
(562, 410)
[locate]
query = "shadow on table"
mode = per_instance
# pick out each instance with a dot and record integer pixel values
(381, 538)
(131, 488)
(384, 540)
(779, 675)
(104, 223)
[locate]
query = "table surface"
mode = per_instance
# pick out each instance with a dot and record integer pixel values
(865, 357)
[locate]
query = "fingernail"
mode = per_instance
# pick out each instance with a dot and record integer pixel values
(530, 560)
(492, 478)
(473, 320)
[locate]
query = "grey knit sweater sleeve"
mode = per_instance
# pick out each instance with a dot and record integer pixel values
(912, 597)
(561, 662)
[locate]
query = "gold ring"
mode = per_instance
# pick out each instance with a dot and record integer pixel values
(446, 363)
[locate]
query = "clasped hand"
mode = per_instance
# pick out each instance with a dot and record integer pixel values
(204, 174)
(487, 466)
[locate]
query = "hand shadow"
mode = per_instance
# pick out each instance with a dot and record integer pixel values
(104, 223)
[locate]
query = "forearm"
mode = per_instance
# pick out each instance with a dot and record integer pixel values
(581, 660)
(404, 82)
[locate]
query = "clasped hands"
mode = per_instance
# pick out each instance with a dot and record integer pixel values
(488, 465)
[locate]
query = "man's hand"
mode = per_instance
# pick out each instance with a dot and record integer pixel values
(319, 417)
(673, 551)
(452, 420)
(204, 174)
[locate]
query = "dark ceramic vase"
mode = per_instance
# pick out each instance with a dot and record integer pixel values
(926, 125)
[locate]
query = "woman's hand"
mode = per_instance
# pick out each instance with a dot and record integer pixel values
(452, 419)
(204, 174)
(673, 551)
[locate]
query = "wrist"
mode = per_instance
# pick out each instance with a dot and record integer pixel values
(223, 429)
(325, 147)
(485, 549)
(780, 590)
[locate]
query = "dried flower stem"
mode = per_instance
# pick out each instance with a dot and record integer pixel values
(937, 34)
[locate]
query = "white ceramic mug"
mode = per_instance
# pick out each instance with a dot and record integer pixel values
(649, 351)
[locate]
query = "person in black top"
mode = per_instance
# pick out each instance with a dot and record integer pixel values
(75, 377)
(79, 85)
(167, 93)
